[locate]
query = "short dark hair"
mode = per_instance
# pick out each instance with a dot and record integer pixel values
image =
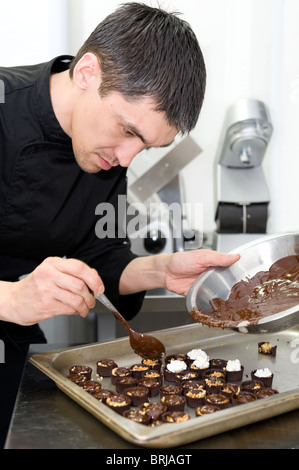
(145, 51)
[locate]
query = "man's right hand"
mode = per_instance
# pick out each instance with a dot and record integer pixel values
(58, 286)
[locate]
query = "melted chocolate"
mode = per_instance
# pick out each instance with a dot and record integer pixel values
(250, 300)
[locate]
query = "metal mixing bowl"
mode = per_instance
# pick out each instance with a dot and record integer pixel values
(255, 256)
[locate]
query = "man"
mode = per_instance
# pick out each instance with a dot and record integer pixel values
(68, 131)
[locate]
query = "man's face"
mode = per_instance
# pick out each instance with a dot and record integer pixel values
(111, 131)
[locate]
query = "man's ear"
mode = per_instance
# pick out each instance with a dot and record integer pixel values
(86, 70)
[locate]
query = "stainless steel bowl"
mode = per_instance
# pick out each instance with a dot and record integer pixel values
(255, 256)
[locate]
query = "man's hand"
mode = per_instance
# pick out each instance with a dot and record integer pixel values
(183, 269)
(57, 286)
(175, 272)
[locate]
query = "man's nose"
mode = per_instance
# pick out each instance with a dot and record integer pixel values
(127, 152)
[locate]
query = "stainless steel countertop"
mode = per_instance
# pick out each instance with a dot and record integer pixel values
(45, 418)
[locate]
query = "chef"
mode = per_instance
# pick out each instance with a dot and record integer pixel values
(69, 128)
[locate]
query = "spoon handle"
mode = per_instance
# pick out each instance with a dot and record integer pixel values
(106, 302)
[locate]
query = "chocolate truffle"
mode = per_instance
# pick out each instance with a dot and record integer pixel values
(91, 386)
(252, 386)
(185, 376)
(175, 357)
(138, 369)
(105, 366)
(234, 371)
(218, 399)
(195, 397)
(206, 410)
(82, 370)
(138, 416)
(155, 364)
(152, 374)
(230, 390)
(118, 402)
(243, 397)
(138, 395)
(102, 394)
(154, 410)
(266, 348)
(174, 367)
(266, 392)
(170, 390)
(213, 384)
(78, 379)
(218, 373)
(201, 364)
(218, 363)
(193, 385)
(175, 417)
(120, 372)
(174, 402)
(122, 383)
(263, 375)
(152, 385)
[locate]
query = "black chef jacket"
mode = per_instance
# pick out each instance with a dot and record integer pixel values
(47, 203)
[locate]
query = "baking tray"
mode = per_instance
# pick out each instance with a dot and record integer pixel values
(217, 343)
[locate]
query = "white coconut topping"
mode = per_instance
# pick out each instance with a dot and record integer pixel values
(176, 366)
(233, 365)
(197, 353)
(201, 362)
(263, 372)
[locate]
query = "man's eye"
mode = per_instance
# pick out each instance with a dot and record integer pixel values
(128, 132)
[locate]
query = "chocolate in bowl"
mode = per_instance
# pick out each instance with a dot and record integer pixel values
(251, 300)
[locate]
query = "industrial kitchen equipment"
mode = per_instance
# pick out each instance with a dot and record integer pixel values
(242, 196)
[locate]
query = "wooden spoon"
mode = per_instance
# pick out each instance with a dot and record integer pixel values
(143, 345)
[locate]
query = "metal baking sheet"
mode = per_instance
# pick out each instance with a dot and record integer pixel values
(224, 344)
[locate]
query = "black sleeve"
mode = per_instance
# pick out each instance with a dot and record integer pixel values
(110, 256)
